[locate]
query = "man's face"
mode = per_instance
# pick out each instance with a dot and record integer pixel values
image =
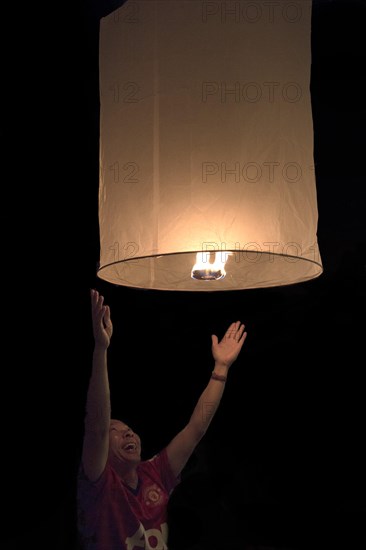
(123, 442)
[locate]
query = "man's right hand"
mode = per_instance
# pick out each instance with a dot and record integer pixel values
(102, 324)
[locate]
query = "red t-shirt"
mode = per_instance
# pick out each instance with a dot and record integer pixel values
(112, 516)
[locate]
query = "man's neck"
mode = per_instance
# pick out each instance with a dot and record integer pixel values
(131, 479)
(128, 473)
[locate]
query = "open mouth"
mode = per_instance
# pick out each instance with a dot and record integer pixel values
(130, 447)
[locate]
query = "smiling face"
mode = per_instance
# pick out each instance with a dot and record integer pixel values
(124, 444)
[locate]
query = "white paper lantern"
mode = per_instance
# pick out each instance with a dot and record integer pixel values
(206, 146)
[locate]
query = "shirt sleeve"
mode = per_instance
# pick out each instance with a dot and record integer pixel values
(161, 465)
(89, 491)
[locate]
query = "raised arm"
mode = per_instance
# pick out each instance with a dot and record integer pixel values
(224, 353)
(98, 409)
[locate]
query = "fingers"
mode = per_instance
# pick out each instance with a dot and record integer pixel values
(240, 333)
(94, 295)
(107, 316)
(242, 339)
(230, 331)
(97, 300)
(236, 331)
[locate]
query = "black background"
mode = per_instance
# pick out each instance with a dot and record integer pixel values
(283, 463)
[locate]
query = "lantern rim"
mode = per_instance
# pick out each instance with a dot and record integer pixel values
(102, 272)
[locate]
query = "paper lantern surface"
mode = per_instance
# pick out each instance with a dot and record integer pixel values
(206, 146)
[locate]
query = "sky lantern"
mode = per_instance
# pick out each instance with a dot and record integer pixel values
(207, 179)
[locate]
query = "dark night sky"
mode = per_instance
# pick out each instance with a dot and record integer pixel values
(294, 403)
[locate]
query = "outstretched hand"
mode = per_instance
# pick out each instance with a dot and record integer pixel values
(101, 317)
(227, 350)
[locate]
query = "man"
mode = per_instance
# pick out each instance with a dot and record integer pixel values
(122, 500)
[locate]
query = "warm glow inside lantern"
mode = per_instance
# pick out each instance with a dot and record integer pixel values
(207, 175)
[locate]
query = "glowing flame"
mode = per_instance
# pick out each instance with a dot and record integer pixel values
(206, 270)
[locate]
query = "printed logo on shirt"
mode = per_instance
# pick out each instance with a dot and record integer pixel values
(151, 539)
(152, 495)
